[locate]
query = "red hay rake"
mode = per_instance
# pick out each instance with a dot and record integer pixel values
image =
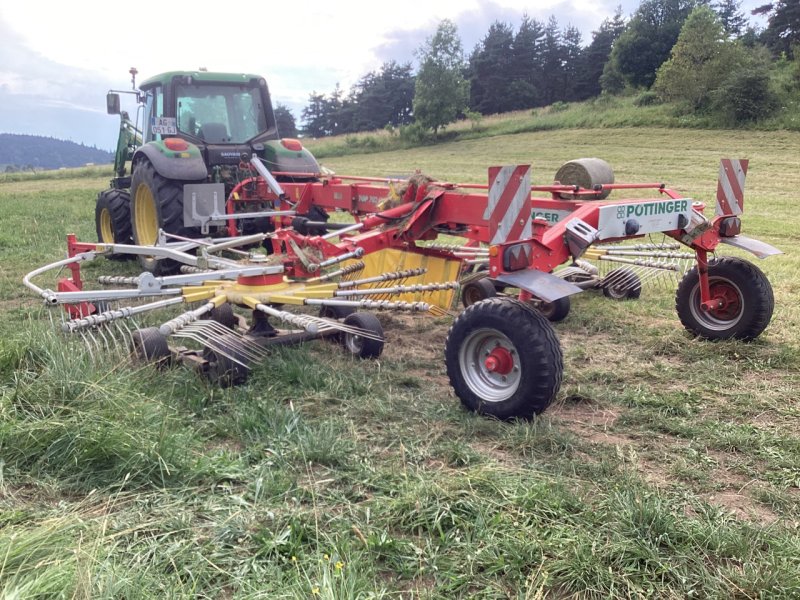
(520, 259)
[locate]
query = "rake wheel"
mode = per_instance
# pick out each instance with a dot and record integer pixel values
(744, 295)
(477, 290)
(336, 312)
(503, 359)
(360, 346)
(150, 345)
(224, 315)
(226, 365)
(555, 311)
(624, 285)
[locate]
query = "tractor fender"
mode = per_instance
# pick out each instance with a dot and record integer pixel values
(182, 166)
(289, 156)
(545, 286)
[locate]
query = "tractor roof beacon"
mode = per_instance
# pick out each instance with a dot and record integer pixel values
(199, 128)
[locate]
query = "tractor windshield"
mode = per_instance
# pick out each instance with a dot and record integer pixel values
(220, 113)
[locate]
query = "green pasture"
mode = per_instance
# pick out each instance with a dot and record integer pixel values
(668, 467)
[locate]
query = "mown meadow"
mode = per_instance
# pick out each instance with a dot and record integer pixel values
(666, 468)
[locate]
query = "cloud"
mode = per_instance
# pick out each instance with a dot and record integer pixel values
(473, 24)
(42, 97)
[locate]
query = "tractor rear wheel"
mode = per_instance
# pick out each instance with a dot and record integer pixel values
(112, 217)
(156, 203)
(503, 359)
(743, 294)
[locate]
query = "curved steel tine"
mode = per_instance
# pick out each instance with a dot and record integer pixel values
(86, 340)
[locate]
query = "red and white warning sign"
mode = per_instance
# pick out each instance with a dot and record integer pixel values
(730, 186)
(509, 210)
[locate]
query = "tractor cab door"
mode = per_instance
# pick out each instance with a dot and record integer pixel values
(153, 112)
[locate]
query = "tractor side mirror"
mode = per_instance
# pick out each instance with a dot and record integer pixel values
(112, 103)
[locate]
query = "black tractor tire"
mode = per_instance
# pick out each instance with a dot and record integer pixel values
(156, 203)
(624, 284)
(150, 345)
(357, 345)
(528, 363)
(555, 311)
(477, 290)
(112, 218)
(748, 301)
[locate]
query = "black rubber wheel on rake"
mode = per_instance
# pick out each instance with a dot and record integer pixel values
(745, 295)
(555, 311)
(112, 218)
(360, 346)
(223, 314)
(624, 285)
(503, 359)
(156, 203)
(222, 369)
(150, 345)
(336, 312)
(477, 290)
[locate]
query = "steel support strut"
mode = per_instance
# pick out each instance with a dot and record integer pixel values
(707, 303)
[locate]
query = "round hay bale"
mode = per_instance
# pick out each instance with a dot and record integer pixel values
(586, 173)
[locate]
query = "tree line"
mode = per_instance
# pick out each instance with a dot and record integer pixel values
(710, 61)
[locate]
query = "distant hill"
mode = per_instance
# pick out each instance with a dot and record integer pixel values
(26, 151)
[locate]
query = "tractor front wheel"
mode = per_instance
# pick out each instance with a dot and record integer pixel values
(503, 359)
(743, 295)
(112, 217)
(156, 203)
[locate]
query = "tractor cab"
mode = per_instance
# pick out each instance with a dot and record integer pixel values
(226, 116)
(209, 108)
(195, 129)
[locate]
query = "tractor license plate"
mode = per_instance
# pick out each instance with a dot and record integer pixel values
(164, 125)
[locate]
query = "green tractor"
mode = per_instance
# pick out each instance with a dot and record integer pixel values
(196, 128)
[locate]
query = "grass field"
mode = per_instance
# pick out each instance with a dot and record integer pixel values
(668, 467)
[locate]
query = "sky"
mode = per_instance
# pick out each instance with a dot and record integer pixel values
(58, 59)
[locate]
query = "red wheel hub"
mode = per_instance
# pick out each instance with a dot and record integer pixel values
(499, 361)
(727, 303)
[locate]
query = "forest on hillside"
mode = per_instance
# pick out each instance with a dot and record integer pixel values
(33, 152)
(698, 55)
